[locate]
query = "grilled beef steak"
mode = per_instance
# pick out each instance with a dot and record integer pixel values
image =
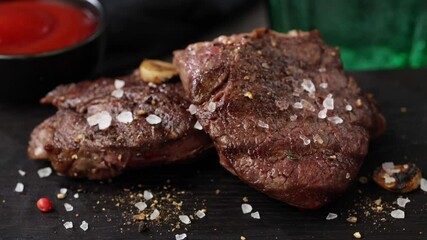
(282, 114)
(97, 133)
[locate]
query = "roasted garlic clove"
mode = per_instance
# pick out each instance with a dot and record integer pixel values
(398, 178)
(156, 71)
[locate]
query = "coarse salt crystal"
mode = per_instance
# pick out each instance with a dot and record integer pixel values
(200, 214)
(84, 226)
(152, 85)
(322, 69)
(212, 107)
(44, 172)
(198, 126)
(423, 184)
(387, 166)
(76, 195)
(118, 84)
(246, 208)
(192, 109)
(68, 225)
(298, 105)
(318, 139)
(296, 94)
(141, 206)
(328, 102)
(347, 176)
(308, 85)
(323, 85)
(335, 120)
(148, 195)
(263, 124)
(19, 187)
(331, 216)
(125, 117)
(184, 219)
(348, 108)
(305, 139)
(117, 93)
(322, 113)
(399, 214)
(102, 119)
(180, 236)
(153, 119)
(155, 214)
(22, 173)
(293, 117)
(255, 215)
(68, 207)
(63, 190)
(388, 180)
(401, 202)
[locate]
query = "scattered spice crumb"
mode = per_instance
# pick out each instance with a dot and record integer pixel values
(352, 219)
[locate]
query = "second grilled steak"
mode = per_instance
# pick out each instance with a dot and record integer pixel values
(281, 112)
(149, 124)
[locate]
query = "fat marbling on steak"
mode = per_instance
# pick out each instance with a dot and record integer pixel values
(135, 139)
(282, 114)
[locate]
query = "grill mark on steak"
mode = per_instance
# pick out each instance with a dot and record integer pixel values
(272, 67)
(79, 150)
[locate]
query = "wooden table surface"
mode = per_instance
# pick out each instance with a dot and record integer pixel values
(208, 185)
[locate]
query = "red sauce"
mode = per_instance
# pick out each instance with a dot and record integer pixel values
(28, 27)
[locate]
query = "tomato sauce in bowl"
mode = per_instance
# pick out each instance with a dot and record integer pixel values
(35, 26)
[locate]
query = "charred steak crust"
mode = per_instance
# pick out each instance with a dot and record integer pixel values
(79, 150)
(259, 96)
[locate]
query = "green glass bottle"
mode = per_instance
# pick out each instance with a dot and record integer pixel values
(371, 34)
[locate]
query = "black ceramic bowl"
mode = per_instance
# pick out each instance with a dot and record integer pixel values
(30, 77)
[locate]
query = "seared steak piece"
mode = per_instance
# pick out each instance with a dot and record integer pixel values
(97, 135)
(281, 112)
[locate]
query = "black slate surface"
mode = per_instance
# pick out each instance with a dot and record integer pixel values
(404, 141)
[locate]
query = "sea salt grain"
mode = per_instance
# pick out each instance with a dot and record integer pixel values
(335, 120)
(192, 109)
(19, 187)
(184, 219)
(347, 176)
(125, 117)
(348, 108)
(307, 105)
(63, 191)
(308, 85)
(118, 84)
(263, 124)
(297, 105)
(155, 214)
(200, 214)
(423, 184)
(305, 139)
(102, 119)
(141, 206)
(68, 225)
(198, 126)
(153, 119)
(401, 202)
(318, 139)
(148, 195)
(76, 195)
(328, 103)
(331, 216)
(323, 85)
(293, 117)
(322, 113)
(68, 207)
(246, 208)
(388, 180)
(398, 214)
(44, 172)
(22, 173)
(212, 107)
(84, 226)
(387, 166)
(117, 93)
(255, 215)
(180, 236)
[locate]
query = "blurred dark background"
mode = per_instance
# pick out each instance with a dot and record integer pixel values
(138, 29)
